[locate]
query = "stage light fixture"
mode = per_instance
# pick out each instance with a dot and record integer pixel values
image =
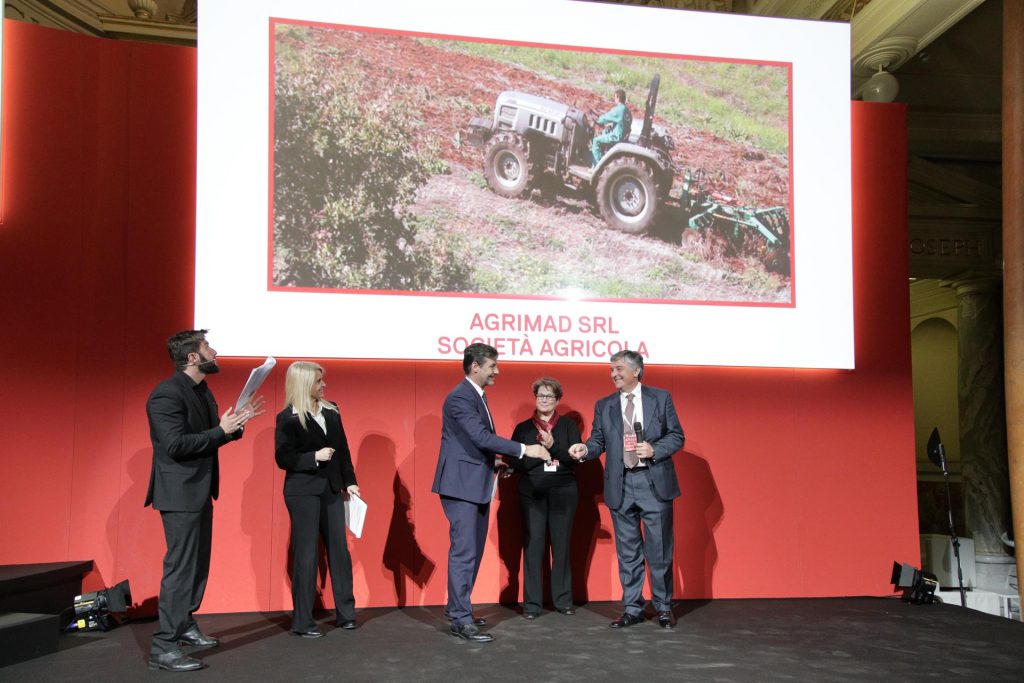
(918, 586)
(101, 610)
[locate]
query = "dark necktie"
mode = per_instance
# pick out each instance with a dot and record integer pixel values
(487, 409)
(629, 457)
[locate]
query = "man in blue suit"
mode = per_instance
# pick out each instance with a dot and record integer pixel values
(465, 481)
(638, 428)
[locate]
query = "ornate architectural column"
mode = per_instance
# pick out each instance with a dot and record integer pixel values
(1013, 257)
(983, 426)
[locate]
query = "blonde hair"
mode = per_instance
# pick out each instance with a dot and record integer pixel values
(298, 389)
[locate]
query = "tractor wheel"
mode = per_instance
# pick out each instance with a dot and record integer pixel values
(627, 195)
(507, 165)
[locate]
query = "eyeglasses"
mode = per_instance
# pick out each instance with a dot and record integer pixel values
(545, 397)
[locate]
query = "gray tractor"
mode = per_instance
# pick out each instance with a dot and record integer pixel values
(529, 136)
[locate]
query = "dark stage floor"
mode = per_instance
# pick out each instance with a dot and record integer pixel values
(864, 639)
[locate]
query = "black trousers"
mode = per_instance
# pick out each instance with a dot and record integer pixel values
(186, 568)
(545, 509)
(314, 517)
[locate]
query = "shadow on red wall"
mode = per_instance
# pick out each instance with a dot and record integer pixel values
(698, 513)
(402, 554)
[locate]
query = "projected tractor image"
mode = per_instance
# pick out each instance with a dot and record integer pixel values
(631, 179)
(406, 163)
(530, 135)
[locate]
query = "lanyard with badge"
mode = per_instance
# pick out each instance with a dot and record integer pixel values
(545, 426)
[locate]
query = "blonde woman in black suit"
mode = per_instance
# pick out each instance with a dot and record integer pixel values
(310, 445)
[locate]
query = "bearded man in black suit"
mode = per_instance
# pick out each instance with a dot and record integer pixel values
(184, 481)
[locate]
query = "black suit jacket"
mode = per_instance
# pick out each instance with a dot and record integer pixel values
(295, 450)
(565, 433)
(186, 435)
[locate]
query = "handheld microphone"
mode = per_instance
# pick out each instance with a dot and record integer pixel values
(639, 430)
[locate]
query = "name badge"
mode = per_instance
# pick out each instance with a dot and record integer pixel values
(629, 441)
(551, 466)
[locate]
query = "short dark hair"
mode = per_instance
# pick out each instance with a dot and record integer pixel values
(620, 95)
(553, 384)
(184, 343)
(632, 359)
(477, 353)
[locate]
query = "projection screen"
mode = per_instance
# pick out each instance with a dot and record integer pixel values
(399, 179)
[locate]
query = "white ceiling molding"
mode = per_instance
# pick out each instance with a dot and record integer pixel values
(801, 9)
(890, 28)
(168, 21)
(888, 53)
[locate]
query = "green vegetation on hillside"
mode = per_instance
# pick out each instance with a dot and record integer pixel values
(746, 103)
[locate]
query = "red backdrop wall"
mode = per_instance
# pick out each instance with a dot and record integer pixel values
(796, 482)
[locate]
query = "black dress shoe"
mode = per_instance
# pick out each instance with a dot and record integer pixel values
(348, 624)
(197, 638)
(530, 616)
(666, 619)
(626, 619)
(471, 633)
(568, 611)
(310, 633)
(479, 621)
(174, 661)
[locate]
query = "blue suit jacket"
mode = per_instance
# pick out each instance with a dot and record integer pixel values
(661, 429)
(465, 465)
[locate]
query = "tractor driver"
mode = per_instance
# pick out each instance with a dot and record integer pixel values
(616, 123)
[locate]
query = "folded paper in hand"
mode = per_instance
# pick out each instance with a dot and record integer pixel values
(256, 378)
(355, 515)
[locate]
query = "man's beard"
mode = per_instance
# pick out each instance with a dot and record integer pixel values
(209, 367)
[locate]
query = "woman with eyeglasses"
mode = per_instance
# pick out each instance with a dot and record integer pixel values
(547, 499)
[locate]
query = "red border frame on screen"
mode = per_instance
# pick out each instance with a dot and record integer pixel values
(273, 21)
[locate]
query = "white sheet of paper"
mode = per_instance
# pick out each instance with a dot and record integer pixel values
(252, 385)
(494, 489)
(355, 515)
